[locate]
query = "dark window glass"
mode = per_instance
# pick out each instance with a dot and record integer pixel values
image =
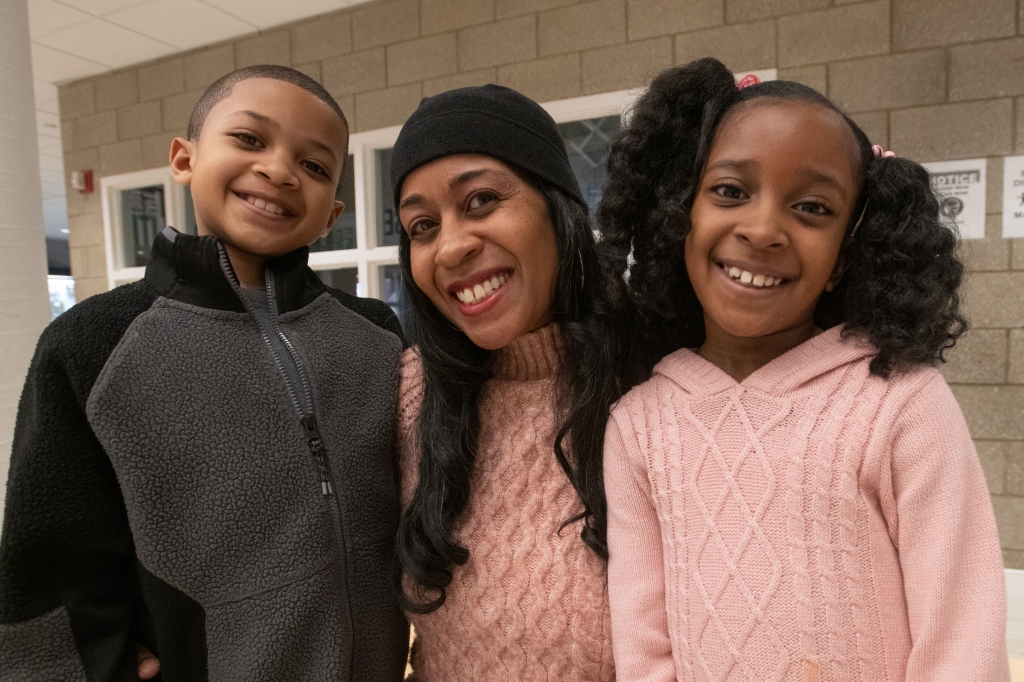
(343, 236)
(346, 279)
(587, 144)
(142, 218)
(388, 226)
(391, 286)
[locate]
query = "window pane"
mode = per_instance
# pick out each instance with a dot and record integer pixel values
(343, 236)
(388, 226)
(142, 218)
(391, 286)
(587, 144)
(346, 279)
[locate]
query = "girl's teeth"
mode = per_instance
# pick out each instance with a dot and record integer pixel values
(758, 280)
(259, 203)
(750, 278)
(735, 273)
(746, 277)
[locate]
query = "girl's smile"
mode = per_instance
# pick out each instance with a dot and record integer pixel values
(768, 222)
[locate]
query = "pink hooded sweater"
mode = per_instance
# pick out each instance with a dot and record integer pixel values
(531, 603)
(812, 523)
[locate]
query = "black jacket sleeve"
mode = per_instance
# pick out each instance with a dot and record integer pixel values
(66, 555)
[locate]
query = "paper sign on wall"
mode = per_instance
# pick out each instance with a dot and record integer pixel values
(1013, 196)
(961, 186)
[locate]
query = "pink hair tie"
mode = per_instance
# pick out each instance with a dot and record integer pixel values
(747, 81)
(881, 152)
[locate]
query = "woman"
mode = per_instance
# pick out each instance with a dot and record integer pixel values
(505, 396)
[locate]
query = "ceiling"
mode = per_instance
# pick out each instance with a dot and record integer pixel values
(73, 39)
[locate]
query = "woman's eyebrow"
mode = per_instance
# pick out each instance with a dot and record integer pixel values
(411, 200)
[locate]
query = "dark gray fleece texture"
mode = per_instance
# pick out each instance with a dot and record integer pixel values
(223, 495)
(23, 642)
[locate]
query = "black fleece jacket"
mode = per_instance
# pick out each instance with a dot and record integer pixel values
(179, 480)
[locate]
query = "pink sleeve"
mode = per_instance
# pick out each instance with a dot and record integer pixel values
(410, 399)
(636, 573)
(948, 544)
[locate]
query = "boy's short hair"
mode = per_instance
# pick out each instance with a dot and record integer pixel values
(222, 87)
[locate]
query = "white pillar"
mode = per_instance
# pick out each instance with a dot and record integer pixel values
(24, 299)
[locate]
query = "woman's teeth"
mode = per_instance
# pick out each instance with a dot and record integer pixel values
(749, 278)
(265, 205)
(482, 290)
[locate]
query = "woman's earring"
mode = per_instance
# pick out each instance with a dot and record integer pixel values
(829, 286)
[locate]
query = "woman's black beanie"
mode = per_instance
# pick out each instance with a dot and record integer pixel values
(491, 120)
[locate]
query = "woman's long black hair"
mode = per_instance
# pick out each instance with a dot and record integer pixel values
(454, 369)
(902, 275)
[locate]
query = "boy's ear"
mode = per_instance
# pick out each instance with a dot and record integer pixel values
(182, 153)
(339, 206)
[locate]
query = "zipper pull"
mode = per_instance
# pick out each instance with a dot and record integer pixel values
(316, 446)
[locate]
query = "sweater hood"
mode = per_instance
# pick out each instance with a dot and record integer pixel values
(792, 370)
(196, 270)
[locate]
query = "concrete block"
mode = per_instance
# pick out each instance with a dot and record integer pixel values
(67, 135)
(812, 76)
(992, 412)
(356, 72)
(423, 58)
(544, 80)
(162, 78)
(321, 37)
(1019, 124)
(138, 120)
(927, 23)
(875, 125)
(1013, 559)
(76, 99)
(1017, 254)
(953, 131)
(84, 230)
(986, 70)
(89, 286)
(991, 254)
(1013, 452)
(117, 89)
(347, 104)
(177, 109)
(501, 42)
(459, 80)
(751, 10)
(120, 157)
(1015, 372)
(389, 107)
(96, 129)
(994, 193)
(504, 9)
(156, 149)
(311, 69)
(993, 455)
(381, 23)
(264, 48)
(79, 264)
(581, 27)
(202, 68)
(1010, 520)
(741, 47)
(652, 18)
(979, 357)
(83, 204)
(845, 32)
(889, 82)
(993, 301)
(621, 67)
(438, 16)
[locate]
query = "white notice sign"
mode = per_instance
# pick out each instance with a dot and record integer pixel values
(1013, 197)
(961, 186)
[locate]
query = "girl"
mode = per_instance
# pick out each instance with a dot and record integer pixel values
(504, 397)
(793, 494)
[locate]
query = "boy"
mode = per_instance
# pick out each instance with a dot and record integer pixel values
(202, 460)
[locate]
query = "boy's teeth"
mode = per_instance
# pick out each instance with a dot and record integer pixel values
(480, 291)
(746, 277)
(266, 205)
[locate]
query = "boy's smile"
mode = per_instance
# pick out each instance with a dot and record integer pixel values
(263, 172)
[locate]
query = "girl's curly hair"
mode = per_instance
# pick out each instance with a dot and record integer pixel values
(901, 284)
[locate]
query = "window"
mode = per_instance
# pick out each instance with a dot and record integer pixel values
(360, 255)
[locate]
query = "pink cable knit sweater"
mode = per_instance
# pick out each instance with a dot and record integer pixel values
(811, 523)
(531, 604)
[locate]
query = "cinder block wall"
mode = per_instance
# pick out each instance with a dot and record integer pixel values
(931, 79)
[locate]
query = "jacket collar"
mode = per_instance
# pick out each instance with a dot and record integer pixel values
(196, 270)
